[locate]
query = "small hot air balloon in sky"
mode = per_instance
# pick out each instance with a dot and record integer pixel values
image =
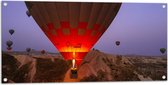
(117, 43)
(28, 49)
(9, 43)
(28, 13)
(162, 50)
(11, 31)
(73, 27)
(43, 51)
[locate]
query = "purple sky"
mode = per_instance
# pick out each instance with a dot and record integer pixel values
(141, 29)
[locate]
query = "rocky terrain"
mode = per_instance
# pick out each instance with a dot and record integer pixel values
(97, 66)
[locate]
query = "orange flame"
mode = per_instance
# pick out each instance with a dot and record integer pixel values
(73, 63)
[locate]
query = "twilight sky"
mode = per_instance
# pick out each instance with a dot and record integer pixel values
(141, 28)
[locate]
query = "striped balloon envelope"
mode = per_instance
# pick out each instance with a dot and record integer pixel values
(73, 27)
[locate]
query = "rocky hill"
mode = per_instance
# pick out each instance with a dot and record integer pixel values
(96, 66)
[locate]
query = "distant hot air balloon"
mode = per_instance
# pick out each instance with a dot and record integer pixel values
(9, 43)
(73, 27)
(28, 13)
(11, 31)
(117, 43)
(162, 50)
(28, 49)
(43, 51)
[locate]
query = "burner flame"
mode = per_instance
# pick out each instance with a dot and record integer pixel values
(73, 63)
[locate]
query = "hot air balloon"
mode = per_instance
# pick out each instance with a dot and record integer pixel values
(73, 27)
(117, 43)
(28, 49)
(9, 43)
(43, 51)
(162, 50)
(28, 13)
(11, 31)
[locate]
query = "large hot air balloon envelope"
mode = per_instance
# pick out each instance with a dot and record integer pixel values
(73, 27)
